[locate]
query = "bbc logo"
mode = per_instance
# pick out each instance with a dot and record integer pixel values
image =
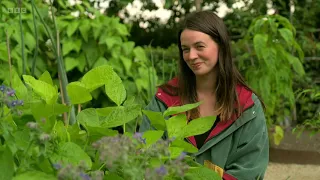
(17, 10)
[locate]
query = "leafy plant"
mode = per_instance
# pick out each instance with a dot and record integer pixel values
(272, 58)
(37, 144)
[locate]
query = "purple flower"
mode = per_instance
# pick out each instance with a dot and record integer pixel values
(138, 136)
(85, 176)
(161, 171)
(2, 88)
(32, 125)
(57, 166)
(44, 137)
(182, 156)
(11, 93)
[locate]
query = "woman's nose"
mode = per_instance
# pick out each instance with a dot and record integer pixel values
(193, 54)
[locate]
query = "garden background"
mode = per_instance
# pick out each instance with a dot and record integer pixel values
(82, 70)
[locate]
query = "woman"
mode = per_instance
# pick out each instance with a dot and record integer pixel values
(237, 145)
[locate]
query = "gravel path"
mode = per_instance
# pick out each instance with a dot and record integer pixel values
(277, 171)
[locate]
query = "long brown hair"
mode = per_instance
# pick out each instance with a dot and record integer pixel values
(227, 77)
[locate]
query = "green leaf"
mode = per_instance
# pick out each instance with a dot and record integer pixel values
(299, 50)
(70, 63)
(140, 54)
(3, 51)
(70, 44)
(111, 41)
(100, 62)
(285, 22)
(6, 163)
(287, 35)
(46, 77)
(43, 89)
(17, 84)
(71, 153)
(34, 175)
(30, 41)
(202, 173)
(84, 29)
(112, 176)
(61, 132)
(127, 47)
(104, 75)
(270, 57)
(152, 136)
(78, 94)
(296, 64)
(175, 152)
(175, 126)
(156, 119)
(89, 117)
(121, 115)
(187, 147)
(260, 42)
(122, 29)
(278, 135)
(127, 63)
(180, 109)
(72, 27)
(199, 126)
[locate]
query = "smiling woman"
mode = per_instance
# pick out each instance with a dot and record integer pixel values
(237, 145)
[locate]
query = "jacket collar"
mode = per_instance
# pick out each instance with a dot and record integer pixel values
(245, 99)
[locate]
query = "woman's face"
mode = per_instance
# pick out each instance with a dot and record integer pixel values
(199, 51)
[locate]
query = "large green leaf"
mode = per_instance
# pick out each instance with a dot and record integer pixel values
(46, 77)
(43, 89)
(104, 75)
(199, 126)
(175, 126)
(121, 115)
(78, 94)
(202, 173)
(71, 153)
(34, 175)
(30, 41)
(156, 119)
(6, 163)
(180, 109)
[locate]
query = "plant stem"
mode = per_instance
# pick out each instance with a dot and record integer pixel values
(22, 40)
(36, 37)
(9, 58)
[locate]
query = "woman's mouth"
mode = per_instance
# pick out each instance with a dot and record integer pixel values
(196, 65)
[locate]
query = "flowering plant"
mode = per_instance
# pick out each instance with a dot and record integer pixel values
(38, 144)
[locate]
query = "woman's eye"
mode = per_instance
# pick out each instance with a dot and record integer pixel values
(185, 50)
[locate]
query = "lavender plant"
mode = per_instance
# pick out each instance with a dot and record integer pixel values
(128, 157)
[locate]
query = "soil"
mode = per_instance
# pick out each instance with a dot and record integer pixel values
(280, 171)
